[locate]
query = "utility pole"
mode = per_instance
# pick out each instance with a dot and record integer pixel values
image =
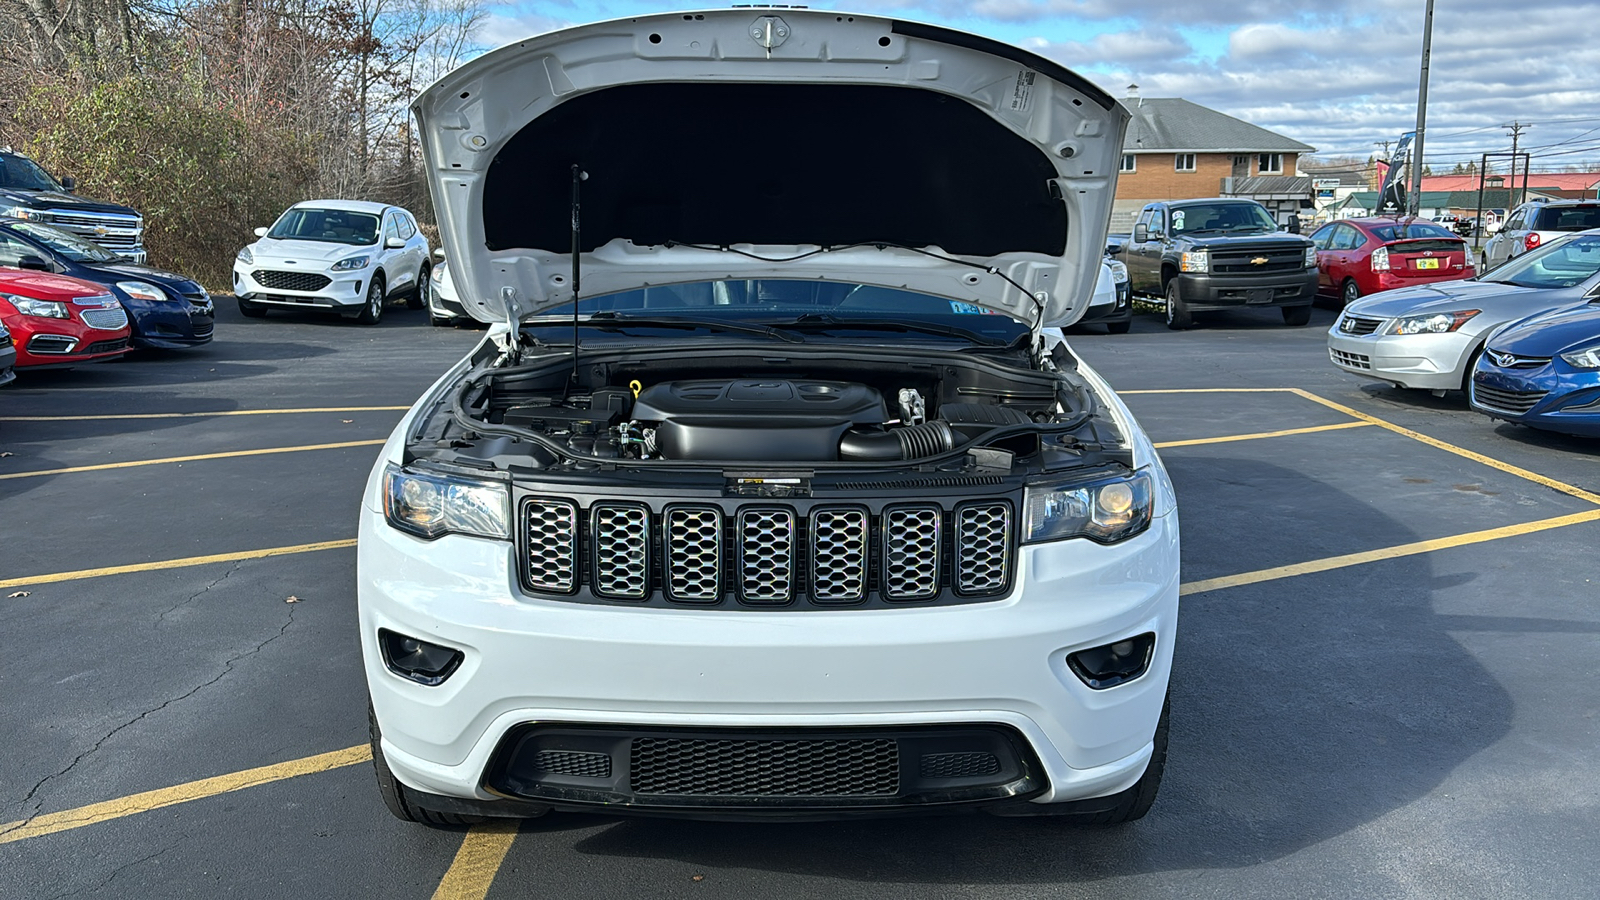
(1415, 201)
(1516, 132)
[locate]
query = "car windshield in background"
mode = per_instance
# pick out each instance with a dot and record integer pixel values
(66, 244)
(339, 226)
(24, 174)
(829, 307)
(1567, 218)
(1562, 265)
(1221, 217)
(1388, 233)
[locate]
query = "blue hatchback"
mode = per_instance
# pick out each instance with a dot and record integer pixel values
(165, 310)
(1544, 372)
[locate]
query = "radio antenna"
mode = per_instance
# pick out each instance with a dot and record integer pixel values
(578, 177)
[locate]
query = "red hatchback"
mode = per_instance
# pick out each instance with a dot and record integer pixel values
(60, 321)
(1358, 257)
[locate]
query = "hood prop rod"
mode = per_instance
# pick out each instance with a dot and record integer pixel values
(578, 177)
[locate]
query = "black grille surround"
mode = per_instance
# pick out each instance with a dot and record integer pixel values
(763, 770)
(749, 554)
(1285, 258)
(277, 280)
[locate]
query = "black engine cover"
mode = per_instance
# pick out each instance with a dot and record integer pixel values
(756, 418)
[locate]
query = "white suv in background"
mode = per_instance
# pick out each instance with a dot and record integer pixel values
(344, 256)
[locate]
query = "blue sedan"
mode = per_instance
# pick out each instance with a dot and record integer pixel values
(166, 310)
(1544, 372)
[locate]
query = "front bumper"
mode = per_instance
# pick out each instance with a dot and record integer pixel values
(1120, 311)
(1202, 292)
(171, 325)
(998, 664)
(1556, 399)
(344, 293)
(8, 362)
(1434, 362)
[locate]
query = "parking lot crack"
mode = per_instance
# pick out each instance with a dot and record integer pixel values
(94, 889)
(197, 594)
(227, 667)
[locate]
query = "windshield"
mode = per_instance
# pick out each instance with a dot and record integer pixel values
(1388, 233)
(835, 306)
(1226, 217)
(65, 244)
(338, 226)
(24, 174)
(1560, 265)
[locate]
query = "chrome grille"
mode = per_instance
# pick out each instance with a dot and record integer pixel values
(290, 281)
(120, 233)
(694, 554)
(1517, 402)
(1358, 325)
(621, 551)
(838, 555)
(911, 553)
(766, 555)
(552, 534)
(1353, 360)
(105, 319)
(983, 536)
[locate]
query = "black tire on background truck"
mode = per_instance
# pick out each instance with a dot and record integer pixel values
(1178, 315)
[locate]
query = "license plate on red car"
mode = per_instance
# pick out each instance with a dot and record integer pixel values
(1427, 263)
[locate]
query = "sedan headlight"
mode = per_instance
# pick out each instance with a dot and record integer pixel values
(1106, 511)
(1434, 323)
(1583, 359)
(1311, 257)
(351, 263)
(245, 256)
(429, 506)
(1119, 270)
(45, 309)
(1195, 261)
(143, 290)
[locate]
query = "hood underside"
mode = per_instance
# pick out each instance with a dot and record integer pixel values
(776, 132)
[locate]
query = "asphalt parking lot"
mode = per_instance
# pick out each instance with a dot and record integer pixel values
(1384, 682)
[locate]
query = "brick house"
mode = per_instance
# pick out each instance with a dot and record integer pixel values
(1175, 150)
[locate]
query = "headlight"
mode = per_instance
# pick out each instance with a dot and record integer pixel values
(1119, 270)
(22, 212)
(1196, 261)
(429, 506)
(1311, 256)
(1583, 359)
(246, 257)
(1106, 511)
(351, 263)
(143, 290)
(47, 309)
(1436, 323)
(438, 271)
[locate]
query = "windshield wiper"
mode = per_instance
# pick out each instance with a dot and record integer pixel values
(610, 321)
(825, 322)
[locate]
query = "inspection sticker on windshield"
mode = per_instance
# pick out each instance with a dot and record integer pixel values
(970, 309)
(1022, 92)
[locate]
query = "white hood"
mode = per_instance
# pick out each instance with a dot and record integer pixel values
(774, 132)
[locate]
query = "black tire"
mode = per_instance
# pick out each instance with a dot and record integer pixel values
(372, 309)
(252, 310)
(1133, 803)
(1296, 315)
(1178, 315)
(418, 298)
(397, 797)
(1349, 292)
(1466, 376)
(1118, 327)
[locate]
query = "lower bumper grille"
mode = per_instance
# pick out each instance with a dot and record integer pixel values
(1353, 360)
(107, 346)
(765, 768)
(1517, 402)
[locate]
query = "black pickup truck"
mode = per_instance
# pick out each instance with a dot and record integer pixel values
(29, 192)
(1219, 253)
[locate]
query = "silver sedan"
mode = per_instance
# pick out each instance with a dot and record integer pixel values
(1429, 337)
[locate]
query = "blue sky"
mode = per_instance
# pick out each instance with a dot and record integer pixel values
(1340, 75)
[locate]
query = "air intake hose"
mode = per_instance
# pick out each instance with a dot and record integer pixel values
(912, 442)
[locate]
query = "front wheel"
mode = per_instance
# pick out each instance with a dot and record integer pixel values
(1296, 315)
(372, 310)
(1178, 315)
(396, 796)
(1350, 293)
(418, 299)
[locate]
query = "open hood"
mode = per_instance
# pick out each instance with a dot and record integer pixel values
(774, 132)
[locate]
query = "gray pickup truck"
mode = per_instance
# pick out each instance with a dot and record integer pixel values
(1219, 253)
(28, 192)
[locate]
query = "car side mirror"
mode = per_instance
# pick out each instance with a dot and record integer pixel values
(394, 243)
(36, 263)
(261, 232)
(1141, 233)
(68, 183)
(438, 253)
(1113, 249)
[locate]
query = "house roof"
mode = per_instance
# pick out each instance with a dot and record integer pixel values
(1492, 199)
(1172, 124)
(1564, 181)
(1284, 187)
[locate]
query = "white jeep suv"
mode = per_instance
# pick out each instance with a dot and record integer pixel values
(797, 511)
(344, 256)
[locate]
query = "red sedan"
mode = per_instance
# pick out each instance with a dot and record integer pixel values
(1358, 257)
(60, 321)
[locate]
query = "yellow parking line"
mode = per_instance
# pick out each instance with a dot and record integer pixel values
(184, 562)
(204, 415)
(1261, 434)
(1490, 461)
(178, 459)
(1213, 391)
(478, 861)
(1367, 556)
(51, 823)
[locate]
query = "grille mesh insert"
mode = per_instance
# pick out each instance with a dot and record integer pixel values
(958, 765)
(552, 530)
(105, 319)
(911, 552)
(1508, 401)
(983, 536)
(573, 762)
(621, 551)
(838, 555)
(765, 768)
(766, 555)
(694, 554)
(290, 281)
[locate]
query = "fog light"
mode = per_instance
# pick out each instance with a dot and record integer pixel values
(416, 659)
(1113, 664)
